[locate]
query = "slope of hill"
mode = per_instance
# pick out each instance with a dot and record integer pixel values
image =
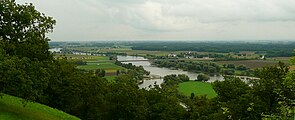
(11, 108)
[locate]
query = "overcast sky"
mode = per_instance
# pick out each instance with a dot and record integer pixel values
(91, 20)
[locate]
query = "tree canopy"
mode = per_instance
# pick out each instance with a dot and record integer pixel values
(23, 31)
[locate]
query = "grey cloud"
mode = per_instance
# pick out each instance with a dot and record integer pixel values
(102, 19)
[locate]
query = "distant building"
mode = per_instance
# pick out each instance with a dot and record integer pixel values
(172, 55)
(55, 50)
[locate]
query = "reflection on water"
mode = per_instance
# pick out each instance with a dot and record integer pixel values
(154, 70)
(150, 83)
(126, 58)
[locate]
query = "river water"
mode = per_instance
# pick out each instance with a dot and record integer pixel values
(154, 70)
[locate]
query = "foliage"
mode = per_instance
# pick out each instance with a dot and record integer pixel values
(230, 88)
(241, 67)
(231, 66)
(24, 49)
(203, 77)
(270, 49)
(173, 80)
(31, 77)
(189, 65)
(100, 72)
(270, 83)
(137, 71)
(80, 62)
(228, 72)
(23, 29)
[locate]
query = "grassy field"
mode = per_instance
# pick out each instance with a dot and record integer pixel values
(109, 67)
(198, 88)
(110, 78)
(82, 57)
(94, 62)
(11, 108)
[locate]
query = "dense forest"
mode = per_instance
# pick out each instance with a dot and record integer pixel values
(270, 49)
(28, 70)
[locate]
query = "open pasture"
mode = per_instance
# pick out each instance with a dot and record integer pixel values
(109, 67)
(94, 62)
(198, 88)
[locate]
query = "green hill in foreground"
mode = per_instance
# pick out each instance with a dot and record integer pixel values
(11, 108)
(198, 88)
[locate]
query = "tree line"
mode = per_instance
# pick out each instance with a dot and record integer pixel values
(210, 68)
(269, 49)
(204, 67)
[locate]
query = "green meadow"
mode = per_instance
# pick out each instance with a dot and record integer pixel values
(198, 88)
(110, 78)
(109, 67)
(93, 62)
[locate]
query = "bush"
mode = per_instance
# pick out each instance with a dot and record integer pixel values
(202, 77)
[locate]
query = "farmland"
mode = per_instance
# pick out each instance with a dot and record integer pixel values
(93, 63)
(109, 67)
(198, 88)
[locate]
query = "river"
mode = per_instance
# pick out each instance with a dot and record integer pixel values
(154, 70)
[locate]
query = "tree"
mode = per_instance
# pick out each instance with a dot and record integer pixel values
(183, 77)
(270, 86)
(203, 77)
(235, 96)
(224, 65)
(230, 88)
(228, 72)
(23, 78)
(23, 30)
(171, 80)
(100, 72)
(231, 66)
(241, 67)
(212, 69)
(80, 62)
(24, 50)
(192, 96)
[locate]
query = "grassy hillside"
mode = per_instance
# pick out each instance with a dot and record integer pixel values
(11, 108)
(198, 88)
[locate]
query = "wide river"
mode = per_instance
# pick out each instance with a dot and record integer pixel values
(154, 70)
